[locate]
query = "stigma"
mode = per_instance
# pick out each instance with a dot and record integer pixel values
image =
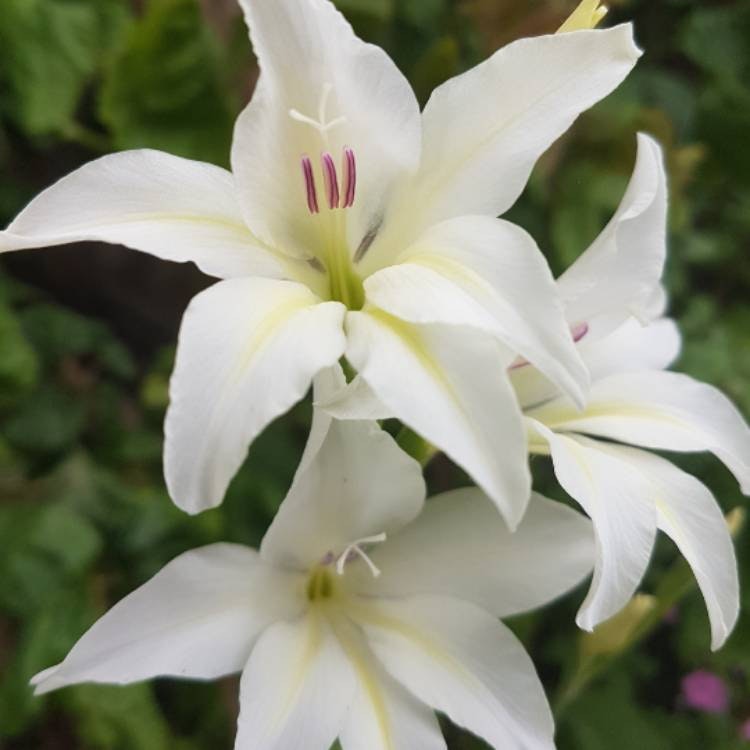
(339, 193)
(352, 552)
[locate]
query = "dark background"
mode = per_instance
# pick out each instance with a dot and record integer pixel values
(87, 335)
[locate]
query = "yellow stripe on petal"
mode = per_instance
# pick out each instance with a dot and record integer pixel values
(587, 15)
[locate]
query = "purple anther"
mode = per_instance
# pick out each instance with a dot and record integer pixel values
(350, 177)
(579, 331)
(331, 180)
(312, 195)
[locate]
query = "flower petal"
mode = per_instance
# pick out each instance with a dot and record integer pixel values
(356, 400)
(248, 349)
(619, 274)
(296, 688)
(359, 484)
(197, 617)
(383, 715)
(620, 502)
(460, 547)
(173, 208)
(462, 661)
(485, 129)
(447, 383)
(662, 410)
(489, 274)
(689, 514)
(629, 348)
(632, 347)
(311, 60)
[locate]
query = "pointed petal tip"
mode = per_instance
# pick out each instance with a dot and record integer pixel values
(45, 681)
(585, 621)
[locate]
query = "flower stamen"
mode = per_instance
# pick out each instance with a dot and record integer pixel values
(330, 178)
(579, 331)
(349, 169)
(312, 194)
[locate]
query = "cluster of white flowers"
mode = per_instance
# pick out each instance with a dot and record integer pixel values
(355, 226)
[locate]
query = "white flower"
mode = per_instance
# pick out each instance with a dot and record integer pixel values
(628, 492)
(364, 609)
(351, 224)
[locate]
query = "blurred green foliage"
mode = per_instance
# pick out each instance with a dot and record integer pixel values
(84, 517)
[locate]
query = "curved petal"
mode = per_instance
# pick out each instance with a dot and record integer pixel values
(485, 129)
(356, 400)
(462, 661)
(359, 484)
(620, 502)
(197, 617)
(489, 274)
(619, 274)
(629, 348)
(447, 384)
(247, 351)
(313, 64)
(173, 208)
(460, 547)
(662, 410)
(688, 513)
(632, 347)
(383, 715)
(296, 689)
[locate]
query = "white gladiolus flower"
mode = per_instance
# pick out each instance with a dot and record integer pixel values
(352, 224)
(628, 492)
(363, 610)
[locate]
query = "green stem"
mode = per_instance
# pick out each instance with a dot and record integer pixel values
(417, 447)
(90, 139)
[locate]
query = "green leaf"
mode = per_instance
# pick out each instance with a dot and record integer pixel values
(715, 39)
(44, 639)
(50, 51)
(164, 89)
(58, 333)
(119, 718)
(19, 367)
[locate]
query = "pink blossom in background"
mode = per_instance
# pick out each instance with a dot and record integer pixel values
(705, 691)
(744, 730)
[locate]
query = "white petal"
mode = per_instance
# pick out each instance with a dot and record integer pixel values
(173, 208)
(383, 715)
(197, 617)
(662, 410)
(305, 47)
(489, 274)
(355, 401)
(248, 350)
(689, 514)
(620, 502)
(629, 348)
(447, 383)
(359, 484)
(296, 688)
(632, 347)
(460, 547)
(485, 129)
(619, 274)
(326, 384)
(462, 661)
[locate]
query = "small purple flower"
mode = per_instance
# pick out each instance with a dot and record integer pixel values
(705, 691)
